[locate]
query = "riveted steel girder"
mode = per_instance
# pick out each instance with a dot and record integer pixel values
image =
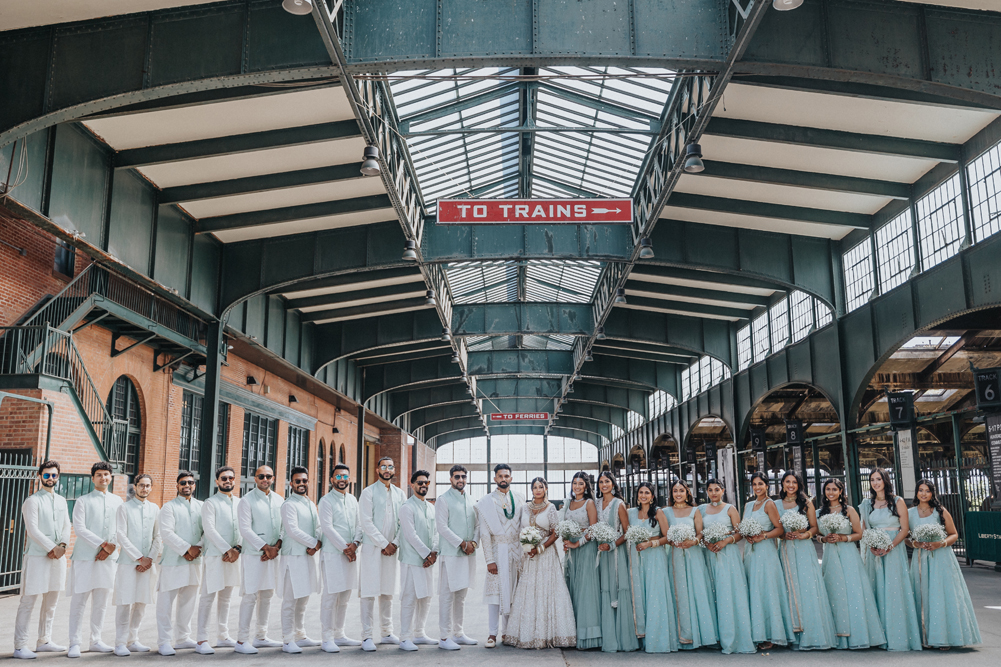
(612, 347)
(656, 375)
(804, 179)
(449, 243)
(222, 223)
(258, 184)
(405, 402)
(387, 377)
(522, 318)
(584, 436)
(698, 335)
(769, 210)
(515, 362)
(344, 339)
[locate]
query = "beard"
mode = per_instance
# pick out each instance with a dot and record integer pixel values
(299, 490)
(340, 485)
(49, 483)
(503, 485)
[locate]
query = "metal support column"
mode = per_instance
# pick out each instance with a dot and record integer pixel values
(545, 457)
(957, 440)
(489, 478)
(214, 353)
(360, 460)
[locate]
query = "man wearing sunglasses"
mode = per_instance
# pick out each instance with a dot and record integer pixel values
(43, 574)
(379, 515)
(300, 574)
(95, 553)
(418, 553)
(180, 565)
(223, 545)
(342, 533)
(455, 519)
(139, 536)
(259, 514)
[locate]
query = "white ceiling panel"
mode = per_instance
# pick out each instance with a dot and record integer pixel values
(672, 311)
(418, 291)
(682, 282)
(985, 5)
(27, 13)
(780, 194)
(307, 194)
(256, 163)
(366, 315)
(223, 119)
(689, 299)
(308, 225)
(851, 114)
(756, 222)
(352, 287)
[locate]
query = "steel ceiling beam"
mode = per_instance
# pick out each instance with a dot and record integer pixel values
(367, 309)
(513, 319)
(406, 273)
(258, 184)
(445, 438)
(662, 305)
(805, 179)
(250, 219)
(402, 353)
(769, 210)
(382, 293)
(652, 273)
(650, 351)
(344, 339)
(451, 243)
(701, 336)
(724, 297)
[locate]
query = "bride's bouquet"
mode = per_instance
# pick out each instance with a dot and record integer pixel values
(569, 530)
(750, 527)
(679, 533)
(602, 533)
(873, 538)
(928, 532)
(716, 532)
(530, 538)
(794, 522)
(637, 534)
(833, 523)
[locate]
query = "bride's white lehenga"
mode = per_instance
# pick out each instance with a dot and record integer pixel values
(542, 613)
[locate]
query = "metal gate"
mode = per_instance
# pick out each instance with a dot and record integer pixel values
(17, 481)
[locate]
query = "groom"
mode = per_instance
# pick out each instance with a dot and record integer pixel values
(500, 525)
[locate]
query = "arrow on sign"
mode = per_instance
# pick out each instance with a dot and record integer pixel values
(606, 210)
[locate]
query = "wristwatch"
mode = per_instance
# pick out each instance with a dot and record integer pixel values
(239, 548)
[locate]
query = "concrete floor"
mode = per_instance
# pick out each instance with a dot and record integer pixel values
(984, 584)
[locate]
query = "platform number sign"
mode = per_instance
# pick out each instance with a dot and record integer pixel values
(901, 405)
(794, 443)
(988, 388)
(758, 446)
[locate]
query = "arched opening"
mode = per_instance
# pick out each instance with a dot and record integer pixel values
(123, 437)
(665, 465)
(636, 472)
(707, 437)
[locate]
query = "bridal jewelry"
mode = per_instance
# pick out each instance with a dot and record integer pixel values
(716, 504)
(536, 508)
(504, 505)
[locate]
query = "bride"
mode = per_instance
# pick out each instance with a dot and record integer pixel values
(542, 614)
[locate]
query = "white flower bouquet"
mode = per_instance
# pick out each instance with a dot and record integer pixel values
(831, 524)
(873, 538)
(679, 533)
(929, 532)
(794, 522)
(530, 538)
(637, 534)
(569, 530)
(602, 533)
(716, 532)
(750, 527)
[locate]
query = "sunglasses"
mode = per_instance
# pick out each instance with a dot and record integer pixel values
(50, 475)
(458, 477)
(422, 483)
(341, 477)
(187, 482)
(228, 478)
(265, 477)
(387, 467)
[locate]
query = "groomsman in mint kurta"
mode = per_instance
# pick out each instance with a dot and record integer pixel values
(223, 546)
(458, 530)
(300, 575)
(379, 514)
(180, 565)
(43, 574)
(139, 537)
(342, 534)
(418, 553)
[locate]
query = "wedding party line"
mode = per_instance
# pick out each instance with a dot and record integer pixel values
(640, 578)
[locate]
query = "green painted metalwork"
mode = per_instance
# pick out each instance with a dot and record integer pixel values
(345, 339)
(367, 309)
(702, 336)
(644, 287)
(449, 243)
(781, 211)
(445, 438)
(527, 362)
(293, 213)
(804, 179)
(518, 318)
(255, 184)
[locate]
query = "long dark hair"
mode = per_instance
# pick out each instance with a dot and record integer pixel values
(588, 495)
(652, 512)
(713, 480)
(891, 498)
(545, 485)
(934, 502)
(801, 499)
(825, 504)
(616, 493)
(689, 499)
(758, 475)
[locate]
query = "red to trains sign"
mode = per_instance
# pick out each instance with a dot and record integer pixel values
(535, 211)
(517, 416)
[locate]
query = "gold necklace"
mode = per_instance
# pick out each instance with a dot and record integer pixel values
(537, 508)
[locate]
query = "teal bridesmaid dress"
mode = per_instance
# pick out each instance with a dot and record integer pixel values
(582, 582)
(618, 630)
(733, 612)
(891, 583)
(943, 600)
(811, 609)
(771, 620)
(856, 618)
(691, 583)
(653, 599)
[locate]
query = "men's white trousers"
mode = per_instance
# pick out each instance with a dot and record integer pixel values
(413, 610)
(99, 598)
(262, 601)
(293, 612)
(186, 597)
(385, 616)
(333, 610)
(451, 609)
(222, 613)
(128, 618)
(493, 619)
(45, 616)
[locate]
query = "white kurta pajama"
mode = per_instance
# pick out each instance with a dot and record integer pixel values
(339, 523)
(138, 537)
(47, 521)
(419, 539)
(499, 537)
(95, 521)
(379, 515)
(260, 523)
(300, 571)
(455, 520)
(180, 529)
(219, 579)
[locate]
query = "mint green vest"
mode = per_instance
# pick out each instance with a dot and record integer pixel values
(309, 523)
(52, 516)
(141, 519)
(266, 521)
(424, 525)
(100, 512)
(188, 526)
(226, 523)
(461, 520)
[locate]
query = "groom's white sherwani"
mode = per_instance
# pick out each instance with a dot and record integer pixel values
(500, 526)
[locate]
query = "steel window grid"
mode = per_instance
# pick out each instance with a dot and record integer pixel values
(858, 271)
(760, 337)
(940, 223)
(895, 252)
(984, 177)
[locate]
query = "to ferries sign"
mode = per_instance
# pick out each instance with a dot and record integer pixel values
(535, 211)
(518, 416)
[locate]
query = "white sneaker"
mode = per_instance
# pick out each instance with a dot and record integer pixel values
(167, 649)
(291, 647)
(244, 648)
(122, 650)
(347, 641)
(306, 642)
(448, 645)
(228, 642)
(100, 647)
(265, 642)
(138, 647)
(49, 647)
(368, 645)
(390, 639)
(407, 645)
(463, 640)
(204, 648)
(74, 651)
(24, 654)
(424, 640)
(330, 647)
(187, 643)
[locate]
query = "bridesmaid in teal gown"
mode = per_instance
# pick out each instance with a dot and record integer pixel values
(733, 612)
(771, 621)
(578, 567)
(808, 602)
(856, 619)
(944, 606)
(618, 630)
(695, 602)
(887, 569)
(653, 600)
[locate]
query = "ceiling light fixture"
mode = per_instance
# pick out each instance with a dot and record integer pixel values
(410, 251)
(446, 335)
(600, 334)
(429, 299)
(370, 161)
(588, 356)
(693, 159)
(455, 357)
(646, 248)
(620, 295)
(786, 5)
(298, 7)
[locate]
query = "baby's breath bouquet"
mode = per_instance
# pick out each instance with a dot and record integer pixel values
(929, 532)
(602, 533)
(874, 538)
(569, 530)
(750, 527)
(679, 533)
(794, 522)
(716, 532)
(530, 538)
(831, 524)
(637, 534)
